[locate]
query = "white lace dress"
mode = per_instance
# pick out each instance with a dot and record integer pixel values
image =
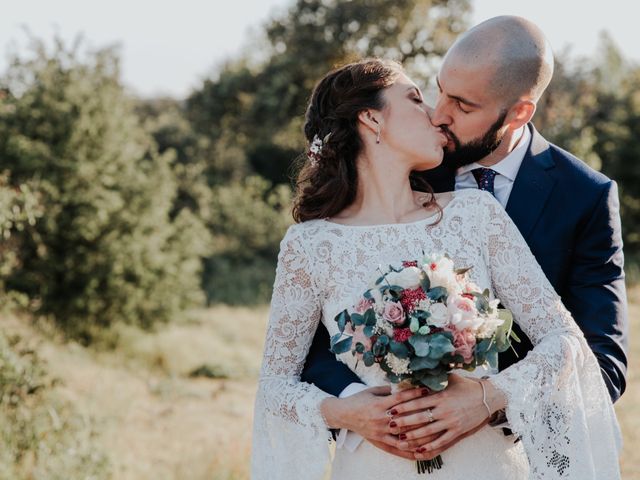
(557, 402)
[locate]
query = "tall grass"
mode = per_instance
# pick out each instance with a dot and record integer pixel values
(42, 435)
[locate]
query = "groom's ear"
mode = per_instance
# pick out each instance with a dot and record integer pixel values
(520, 114)
(371, 120)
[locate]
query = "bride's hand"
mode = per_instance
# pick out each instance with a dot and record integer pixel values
(455, 412)
(368, 413)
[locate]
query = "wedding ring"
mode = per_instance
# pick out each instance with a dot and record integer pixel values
(430, 415)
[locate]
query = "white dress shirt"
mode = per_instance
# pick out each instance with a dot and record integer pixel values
(507, 170)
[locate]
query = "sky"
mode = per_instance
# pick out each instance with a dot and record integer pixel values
(168, 47)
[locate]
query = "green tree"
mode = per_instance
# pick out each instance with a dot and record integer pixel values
(592, 108)
(251, 114)
(106, 248)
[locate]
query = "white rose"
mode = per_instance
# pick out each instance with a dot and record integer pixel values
(441, 273)
(439, 315)
(464, 313)
(408, 277)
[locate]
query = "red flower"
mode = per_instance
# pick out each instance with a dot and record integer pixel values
(413, 263)
(402, 334)
(410, 299)
(468, 295)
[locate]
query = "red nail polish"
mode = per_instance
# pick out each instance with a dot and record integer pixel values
(421, 450)
(425, 391)
(402, 436)
(393, 411)
(393, 424)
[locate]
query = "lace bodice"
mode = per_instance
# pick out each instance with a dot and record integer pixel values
(556, 397)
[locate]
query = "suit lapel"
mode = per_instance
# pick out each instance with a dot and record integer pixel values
(532, 186)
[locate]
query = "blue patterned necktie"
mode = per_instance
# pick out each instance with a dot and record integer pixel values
(485, 177)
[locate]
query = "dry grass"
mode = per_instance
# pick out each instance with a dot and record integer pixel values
(627, 407)
(159, 423)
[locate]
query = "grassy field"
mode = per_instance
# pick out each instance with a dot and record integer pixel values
(156, 421)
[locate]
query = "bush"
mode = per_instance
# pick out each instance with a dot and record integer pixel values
(249, 220)
(109, 246)
(42, 436)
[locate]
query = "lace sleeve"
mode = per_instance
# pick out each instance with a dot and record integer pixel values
(290, 438)
(557, 402)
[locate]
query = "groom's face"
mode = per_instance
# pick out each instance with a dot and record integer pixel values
(467, 113)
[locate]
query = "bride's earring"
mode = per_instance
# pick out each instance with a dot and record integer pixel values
(378, 136)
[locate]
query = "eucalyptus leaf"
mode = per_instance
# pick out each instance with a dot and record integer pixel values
(379, 349)
(503, 332)
(420, 363)
(399, 349)
(342, 318)
(357, 319)
(370, 318)
(414, 325)
(482, 304)
(335, 338)
(437, 293)
(425, 283)
(369, 330)
(342, 346)
(462, 271)
(420, 344)
(439, 345)
(492, 359)
(368, 358)
(436, 383)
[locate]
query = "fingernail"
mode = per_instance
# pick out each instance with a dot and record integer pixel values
(421, 450)
(425, 391)
(393, 424)
(393, 411)
(402, 436)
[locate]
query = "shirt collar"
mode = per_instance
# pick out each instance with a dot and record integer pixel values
(509, 165)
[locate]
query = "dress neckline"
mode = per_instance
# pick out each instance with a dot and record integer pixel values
(455, 196)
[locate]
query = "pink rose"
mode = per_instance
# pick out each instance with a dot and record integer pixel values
(463, 341)
(463, 313)
(393, 313)
(363, 305)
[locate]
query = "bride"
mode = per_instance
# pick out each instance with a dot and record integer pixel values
(368, 129)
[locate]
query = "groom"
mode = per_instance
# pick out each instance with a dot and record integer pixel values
(490, 82)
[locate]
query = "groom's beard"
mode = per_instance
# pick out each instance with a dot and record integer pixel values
(476, 149)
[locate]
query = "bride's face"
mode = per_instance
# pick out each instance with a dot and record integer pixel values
(407, 127)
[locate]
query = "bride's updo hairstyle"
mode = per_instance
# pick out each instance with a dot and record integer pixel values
(328, 179)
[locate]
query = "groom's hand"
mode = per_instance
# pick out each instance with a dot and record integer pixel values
(369, 413)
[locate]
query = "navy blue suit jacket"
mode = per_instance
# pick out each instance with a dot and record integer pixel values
(569, 215)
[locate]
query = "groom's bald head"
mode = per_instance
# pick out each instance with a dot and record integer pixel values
(516, 52)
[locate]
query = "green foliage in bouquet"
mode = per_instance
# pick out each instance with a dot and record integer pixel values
(407, 343)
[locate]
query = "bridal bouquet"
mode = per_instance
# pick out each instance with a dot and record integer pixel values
(420, 321)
